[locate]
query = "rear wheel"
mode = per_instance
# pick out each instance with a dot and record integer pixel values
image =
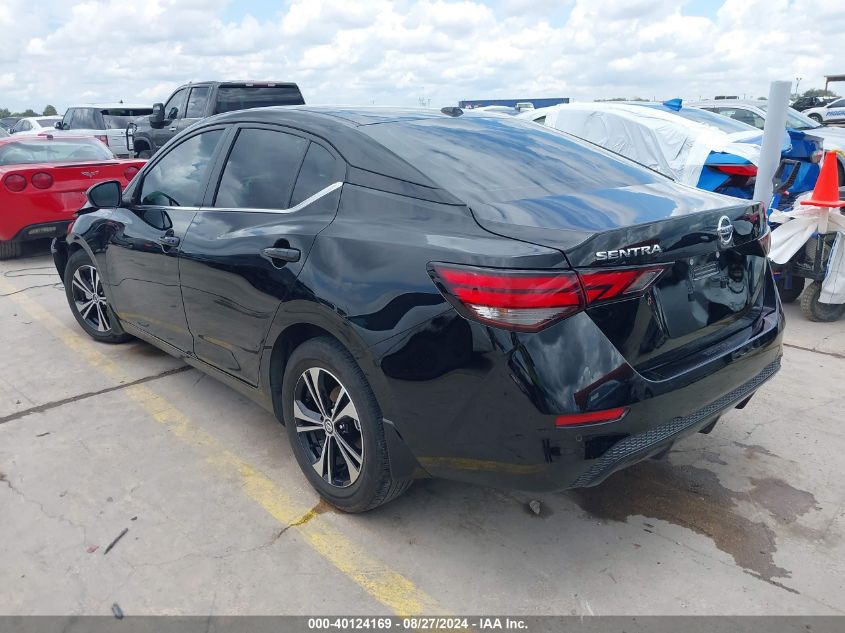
(145, 154)
(788, 295)
(335, 428)
(814, 310)
(9, 250)
(816, 117)
(88, 302)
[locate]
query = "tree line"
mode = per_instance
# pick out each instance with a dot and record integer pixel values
(48, 111)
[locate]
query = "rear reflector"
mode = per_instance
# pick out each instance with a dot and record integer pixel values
(591, 417)
(15, 182)
(528, 300)
(41, 180)
(736, 170)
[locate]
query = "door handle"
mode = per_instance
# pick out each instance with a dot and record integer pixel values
(169, 240)
(173, 128)
(283, 254)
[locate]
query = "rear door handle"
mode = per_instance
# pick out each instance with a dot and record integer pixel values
(169, 240)
(283, 254)
(173, 128)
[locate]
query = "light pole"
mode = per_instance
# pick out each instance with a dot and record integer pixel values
(797, 83)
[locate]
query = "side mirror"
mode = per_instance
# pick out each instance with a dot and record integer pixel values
(58, 125)
(105, 195)
(157, 116)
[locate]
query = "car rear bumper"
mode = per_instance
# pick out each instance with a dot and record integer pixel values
(482, 423)
(40, 231)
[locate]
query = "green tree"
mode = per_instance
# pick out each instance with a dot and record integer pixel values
(4, 112)
(50, 111)
(819, 92)
(26, 113)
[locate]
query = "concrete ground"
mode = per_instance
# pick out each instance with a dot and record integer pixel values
(98, 439)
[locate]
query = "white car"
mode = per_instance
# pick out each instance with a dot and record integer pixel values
(754, 113)
(32, 125)
(106, 122)
(833, 112)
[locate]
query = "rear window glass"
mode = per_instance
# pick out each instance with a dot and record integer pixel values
(243, 97)
(314, 175)
(55, 151)
(497, 159)
(119, 118)
(47, 122)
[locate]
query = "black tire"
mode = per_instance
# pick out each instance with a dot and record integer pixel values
(814, 310)
(333, 371)
(789, 295)
(93, 313)
(9, 250)
(145, 154)
(816, 117)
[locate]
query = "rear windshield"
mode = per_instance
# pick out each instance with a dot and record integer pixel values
(53, 151)
(119, 118)
(498, 159)
(244, 97)
(47, 122)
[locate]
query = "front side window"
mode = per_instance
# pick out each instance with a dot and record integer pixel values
(119, 118)
(317, 173)
(176, 180)
(837, 104)
(260, 171)
(197, 102)
(174, 104)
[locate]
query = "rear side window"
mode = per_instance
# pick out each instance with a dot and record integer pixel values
(317, 172)
(176, 180)
(260, 171)
(244, 97)
(171, 108)
(197, 102)
(119, 118)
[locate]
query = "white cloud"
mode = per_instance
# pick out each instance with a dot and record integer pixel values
(393, 52)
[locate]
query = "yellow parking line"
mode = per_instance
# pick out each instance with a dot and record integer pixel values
(387, 586)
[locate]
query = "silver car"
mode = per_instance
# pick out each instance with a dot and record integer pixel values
(106, 122)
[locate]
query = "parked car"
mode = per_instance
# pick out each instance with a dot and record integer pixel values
(192, 102)
(107, 122)
(3, 132)
(691, 145)
(833, 112)
(415, 293)
(8, 121)
(43, 182)
(754, 113)
(805, 103)
(32, 125)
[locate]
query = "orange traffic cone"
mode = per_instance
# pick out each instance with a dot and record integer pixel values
(826, 192)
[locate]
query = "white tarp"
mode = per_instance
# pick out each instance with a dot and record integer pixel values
(666, 142)
(799, 225)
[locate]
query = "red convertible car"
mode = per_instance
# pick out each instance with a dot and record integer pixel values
(43, 180)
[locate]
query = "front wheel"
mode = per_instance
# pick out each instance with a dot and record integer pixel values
(88, 302)
(145, 154)
(9, 250)
(814, 310)
(335, 427)
(789, 295)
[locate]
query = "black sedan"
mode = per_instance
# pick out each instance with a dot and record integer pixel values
(447, 294)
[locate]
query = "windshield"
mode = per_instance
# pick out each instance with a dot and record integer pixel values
(795, 119)
(53, 151)
(119, 118)
(499, 159)
(231, 98)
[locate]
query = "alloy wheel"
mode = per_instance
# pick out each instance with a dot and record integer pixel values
(328, 427)
(90, 299)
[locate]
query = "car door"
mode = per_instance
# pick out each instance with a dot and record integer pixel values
(174, 109)
(141, 258)
(275, 191)
(834, 112)
(196, 107)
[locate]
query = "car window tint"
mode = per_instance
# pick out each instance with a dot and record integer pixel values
(316, 173)
(837, 104)
(197, 102)
(83, 119)
(176, 179)
(260, 171)
(171, 108)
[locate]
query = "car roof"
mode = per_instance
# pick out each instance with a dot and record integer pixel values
(352, 115)
(726, 102)
(115, 106)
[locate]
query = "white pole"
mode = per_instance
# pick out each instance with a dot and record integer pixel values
(773, 131)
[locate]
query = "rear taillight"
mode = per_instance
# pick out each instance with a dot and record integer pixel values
(15, 182)
(736, 170)
(41, 180)
(528, 300)
(591, 417)
(129, 172)
(102, 138)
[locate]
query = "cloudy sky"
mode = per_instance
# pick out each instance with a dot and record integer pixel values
(66, 52)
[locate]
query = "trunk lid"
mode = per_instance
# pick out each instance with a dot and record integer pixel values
(713, 285)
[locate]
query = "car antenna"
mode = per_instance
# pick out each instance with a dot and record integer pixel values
(452, 111)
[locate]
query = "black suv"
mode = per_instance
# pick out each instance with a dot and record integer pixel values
(195, 101)
(805, 103)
